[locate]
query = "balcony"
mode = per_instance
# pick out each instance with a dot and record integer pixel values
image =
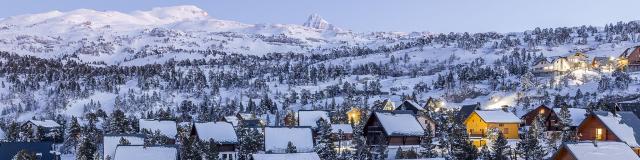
(476, 135)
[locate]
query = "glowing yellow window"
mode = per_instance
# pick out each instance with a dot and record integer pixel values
(542, 111)
(598, 133)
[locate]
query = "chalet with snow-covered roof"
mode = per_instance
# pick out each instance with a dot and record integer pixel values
(578, 60)
(393, 128)
(52, 130)
(166, 128)
(354, 115)
(276, 139)
(282, 156)
(630, 59)
(550, 115)
(140, 152)
(309, 118)
(410, 106)
(604, 64)
(111, 141)
(342, 134)
(480, 122)
(608, 126)
(42, 150)
(220, 132)
(561, 64)
(595, 151)
(542, 66)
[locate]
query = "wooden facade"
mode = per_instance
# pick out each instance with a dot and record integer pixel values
(551, 118)
(593, 129)
(478, 129)
(375, 133)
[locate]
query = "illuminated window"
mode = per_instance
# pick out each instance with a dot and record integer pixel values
(599, 134)
(542, 111)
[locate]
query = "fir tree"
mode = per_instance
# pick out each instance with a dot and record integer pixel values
(426, 141)
(399, 153)
(124, 141)
(529, 147)
(461, 147)
(325, 146)
(485, 154)
(500, 148)
(86, 150)
(291, 148)
(211, 150)
(25, 155)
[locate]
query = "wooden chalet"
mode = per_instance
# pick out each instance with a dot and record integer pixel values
(630, 59)
(480, 122)
(551, 119)
(388, 105)
(52, 130)
(409, 105)
(611, 126)
(466, 110)
(604, 64)
(393, 128)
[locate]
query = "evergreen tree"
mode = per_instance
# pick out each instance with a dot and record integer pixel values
(529, 147)
(485, 154)
(291, 148)
(124, 141)
(461, 146)
(25, 155)
(399, 153)
(565, 123)
(251, 141)
(500, 148)
(211, 150)
(325, 146)
(189, 148)
(118, 123)
(426, 142)
(86, 150)
(362, 150)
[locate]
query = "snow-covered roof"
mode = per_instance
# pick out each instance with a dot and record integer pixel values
(497, 116)
(399, 124)
(291, 156)
(577, 115)
(625, 125)
(277, 138)
(309, 118)
(167, 128)
(232, 119)
(139, 152)
(601, 150)
(221, 132)
(346, 128)
(112, 141)
(45, 123)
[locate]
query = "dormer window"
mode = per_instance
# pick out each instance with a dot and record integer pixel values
(542, 111)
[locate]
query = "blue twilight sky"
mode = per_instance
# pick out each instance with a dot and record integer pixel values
(378, 15)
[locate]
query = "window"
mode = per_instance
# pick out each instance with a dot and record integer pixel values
(500, 125)
(599, 134)
(505, 131)
(542, 111)
(470, 130)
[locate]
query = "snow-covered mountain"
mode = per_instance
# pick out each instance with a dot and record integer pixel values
(317, 22)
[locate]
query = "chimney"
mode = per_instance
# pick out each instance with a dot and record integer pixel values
(614, 109)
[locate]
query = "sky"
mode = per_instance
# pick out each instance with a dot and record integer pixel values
(378, 15)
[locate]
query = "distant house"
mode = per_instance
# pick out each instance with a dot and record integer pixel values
(480, 122)
(410, 106)
(220, 132)
(393, 129)
(542, 67)
(561, 64)
(342, 134)
(41, 149)
(604, 64)
(594, 150)
(630, 59)
(354, 115)
(140, 152)
(552, 121)
(166, 128)
(111, 141)
(432, 104)
(52, 130)
(388, 105)
(630, 105)
(578, 60)
(309, 118)
(276, 139)
(285, 156)
(608, 126)
(466, 110)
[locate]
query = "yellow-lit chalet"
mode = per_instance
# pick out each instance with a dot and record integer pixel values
(480, 122)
